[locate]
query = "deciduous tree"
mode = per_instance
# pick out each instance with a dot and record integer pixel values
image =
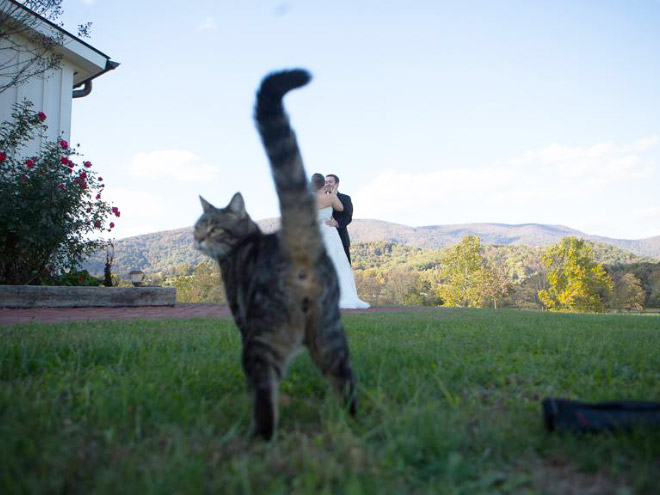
(495, 284)
(204, 285)
(575, 281)
(462, 274)
(628, 293)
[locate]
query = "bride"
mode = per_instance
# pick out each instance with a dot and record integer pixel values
(326, 201)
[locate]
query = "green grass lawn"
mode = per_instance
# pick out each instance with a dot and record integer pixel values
(449, 403)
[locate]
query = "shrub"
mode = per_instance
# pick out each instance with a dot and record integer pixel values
(73, 278)
(51, 205)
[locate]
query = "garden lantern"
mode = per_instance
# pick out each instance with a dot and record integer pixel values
(137, 276)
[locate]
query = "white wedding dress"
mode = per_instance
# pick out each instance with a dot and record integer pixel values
(348, 298)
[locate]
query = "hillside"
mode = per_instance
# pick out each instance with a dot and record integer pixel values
(530, 234)
(439, 236)
(162, 251)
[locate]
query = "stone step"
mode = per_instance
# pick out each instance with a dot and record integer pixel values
(35, 296)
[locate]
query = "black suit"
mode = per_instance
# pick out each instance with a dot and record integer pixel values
(343, 219)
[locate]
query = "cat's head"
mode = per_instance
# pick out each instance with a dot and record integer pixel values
(219, 230)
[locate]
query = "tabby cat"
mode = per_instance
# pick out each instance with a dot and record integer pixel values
(282, 288)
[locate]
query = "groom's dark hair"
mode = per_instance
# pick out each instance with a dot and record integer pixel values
(335, 177)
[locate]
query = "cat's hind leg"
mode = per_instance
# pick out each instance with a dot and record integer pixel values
(263, 373)
(329, 350)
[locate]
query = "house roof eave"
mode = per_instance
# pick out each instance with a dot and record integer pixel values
(89, 61)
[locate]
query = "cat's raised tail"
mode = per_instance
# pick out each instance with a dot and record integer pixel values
(299, 233)
(273, 88)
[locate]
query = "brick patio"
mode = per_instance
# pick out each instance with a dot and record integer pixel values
(11, 316)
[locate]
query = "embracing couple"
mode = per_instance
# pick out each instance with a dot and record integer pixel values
(335, 211)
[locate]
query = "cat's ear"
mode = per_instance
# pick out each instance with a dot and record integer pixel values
(237, 205)
(206, 206)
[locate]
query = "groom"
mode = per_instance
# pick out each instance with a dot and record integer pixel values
(341, 219)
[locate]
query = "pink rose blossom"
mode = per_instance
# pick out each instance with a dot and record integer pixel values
(3, 156)
(87, 164)
(112, 225)
(64, 144)
(42, 116)
(64, 160)
(30, 164)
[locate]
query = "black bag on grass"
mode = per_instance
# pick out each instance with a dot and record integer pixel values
(583, 417)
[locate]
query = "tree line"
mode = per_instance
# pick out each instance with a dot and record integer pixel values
(568, 276)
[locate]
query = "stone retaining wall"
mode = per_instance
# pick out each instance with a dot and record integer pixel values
(29, 296)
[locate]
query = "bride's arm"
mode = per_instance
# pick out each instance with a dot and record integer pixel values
(336, 203)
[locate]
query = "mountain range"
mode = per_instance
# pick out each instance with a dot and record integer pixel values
(529, 234)
(160, 251)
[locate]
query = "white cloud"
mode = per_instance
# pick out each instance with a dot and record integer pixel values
(208, 24)
(180, 165)
(396, 191)
(645, 143)
(570, 185)
(136, 203)
(648, 214)
(649, 217)
(606, 162)
(138, 210)
(634, 223)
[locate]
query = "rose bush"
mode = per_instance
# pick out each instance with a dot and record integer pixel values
(51, 207)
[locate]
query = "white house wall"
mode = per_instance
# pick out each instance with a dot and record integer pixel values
(51, 95)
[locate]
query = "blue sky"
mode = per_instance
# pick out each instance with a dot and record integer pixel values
(430, 112)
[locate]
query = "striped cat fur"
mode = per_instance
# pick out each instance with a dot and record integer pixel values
(282, 288)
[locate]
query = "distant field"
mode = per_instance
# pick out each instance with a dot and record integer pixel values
(449, 403)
